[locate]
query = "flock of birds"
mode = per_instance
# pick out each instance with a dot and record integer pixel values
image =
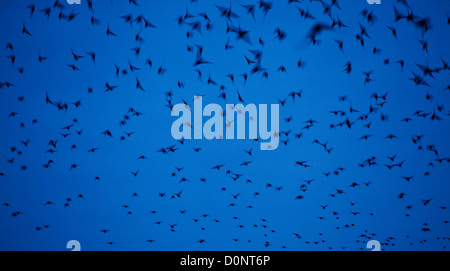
(332, 196)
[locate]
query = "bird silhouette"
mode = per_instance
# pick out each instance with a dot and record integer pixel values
(363, 121)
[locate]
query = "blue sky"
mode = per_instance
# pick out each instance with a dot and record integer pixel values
(322, 81)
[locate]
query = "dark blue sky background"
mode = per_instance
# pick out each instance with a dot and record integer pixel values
(322, 81)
